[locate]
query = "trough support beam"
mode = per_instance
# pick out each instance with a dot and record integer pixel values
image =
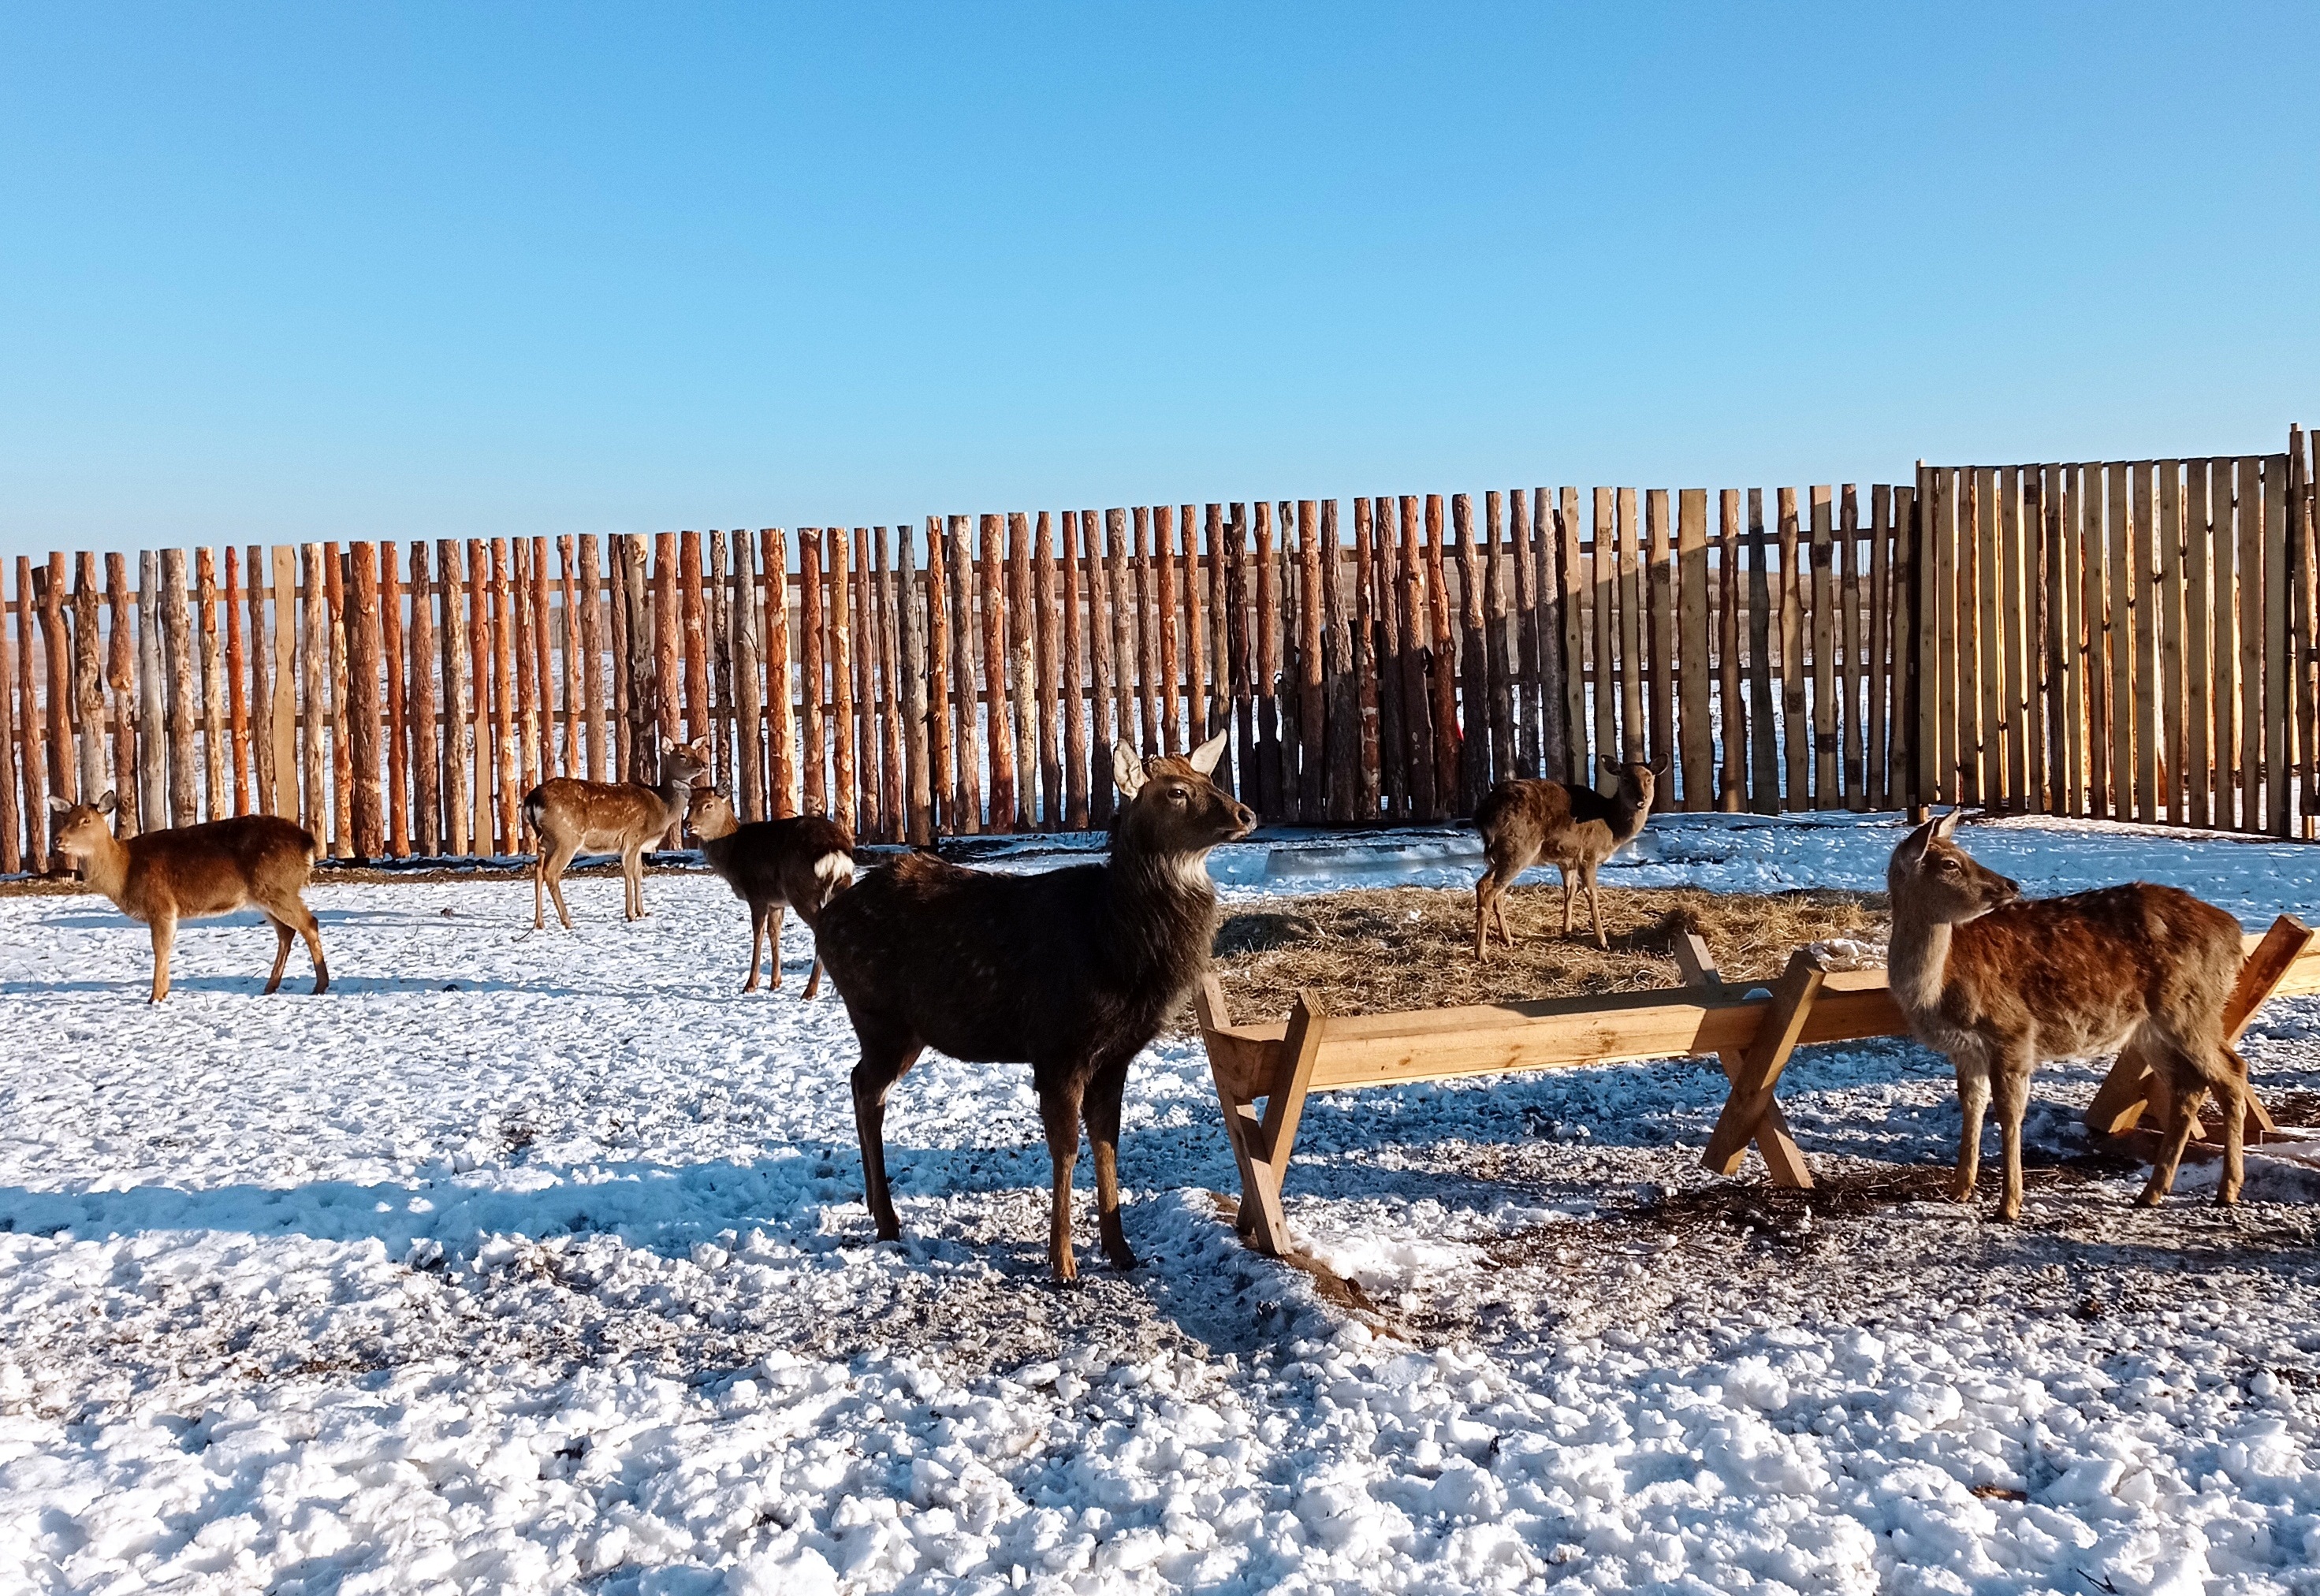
(1784, 1161)
(1747, 1110)
(2132, 1086)
(1261, 1145)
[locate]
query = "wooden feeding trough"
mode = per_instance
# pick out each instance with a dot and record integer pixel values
(1750, 1030)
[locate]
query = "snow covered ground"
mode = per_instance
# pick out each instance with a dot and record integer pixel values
(529, 1261)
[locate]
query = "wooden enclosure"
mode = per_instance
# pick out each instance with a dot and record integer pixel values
(2124, 640)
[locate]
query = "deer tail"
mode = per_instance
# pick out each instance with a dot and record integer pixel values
(534, 809)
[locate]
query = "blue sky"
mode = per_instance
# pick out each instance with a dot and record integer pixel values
(305, 271)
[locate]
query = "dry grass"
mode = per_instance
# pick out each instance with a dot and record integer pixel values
(1373, 950)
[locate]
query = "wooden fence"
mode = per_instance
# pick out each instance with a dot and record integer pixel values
(1385, 666)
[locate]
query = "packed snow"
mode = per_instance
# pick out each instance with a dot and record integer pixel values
(528, 1260)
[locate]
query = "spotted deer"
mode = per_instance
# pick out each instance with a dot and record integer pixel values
(194, 872)
(1072, 972)
(569, 816)
(1574, 829)
(2000, 983)
(799, 863)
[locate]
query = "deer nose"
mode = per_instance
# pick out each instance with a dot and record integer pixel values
(1244, 818)
(2011, 887)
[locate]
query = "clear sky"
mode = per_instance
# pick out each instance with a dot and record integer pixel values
(311, 271)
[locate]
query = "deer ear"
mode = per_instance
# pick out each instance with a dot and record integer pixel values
(1611, 766)
(1946, 825)
(58, 804)
(1204, 757)
(1127, 769)
(1662, 767)
(108, 804)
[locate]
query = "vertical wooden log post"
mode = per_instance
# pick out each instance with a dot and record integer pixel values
(942, 774)
(1142, 627)
(1073, 678)
(1170, 570)
(692, 622)
(1197, 730)
(620, 620)
(1694, 739)
(999, 732)
(781, 721)
(1826, 791)
(458, 705)
(1417, 650)
(813, 793)
(1367, 665)
(368, 826)
(868, 774)
(838, 632)
(1266, 626)
(1763, 750)
(88, 677)
(507, 826)
(280, 689)
(1569, 623)
(1312, 614)
(121, 681)
(1022, 673)
(965, 635)
(1732, 779)
(429, 746)
(1043, 602)
(152, 703)
(313, 678)
(724, 722)
(397, 728)
(1218, 698)
(23, 830)
(910, 621)
(1502, 658)
(1877, 747)
(573, 761)
(592, 648)
(48, 591)
(668, 655)
(1473, 666)
(1448, 753)
(1387, 643)
(177, 646)
(1624, 587)
(1527, 545)
(1342, 741)
(1247, 785)
(1796, 731)
(894, 602)
(1120, 584)
(1660, 631)
(210, 659)
(485, 760)
(1100, 676)
(749, 682)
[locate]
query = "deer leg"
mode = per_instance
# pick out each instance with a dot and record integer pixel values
(1570, 895)
(2013, 1070)
(1484, 902)
(1974, 1102)
(1594, 909)
(293, 911)
(813, 977)
(539, 888)
(552, 866)
(774, 915)
(1100, 1114)
(2231, 1091)
(874, 1078)
(758, 950)
(1059, 1109)
(165, 934)
(283, 937)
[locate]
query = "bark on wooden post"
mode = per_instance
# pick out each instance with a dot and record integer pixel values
(1049, 672)
(965, 636)
(1265, 623)
(525, 624)
(1416, 624)
(1733, 779)
(1121, 587)
(749, 683)
(1524, 544)
(814, 795)
(1571, 619)
(1366, 667)
(17, 842)
(121, 680)
(334, 597)
(942, 771)
(177, 647)
(237, 701)
(370, 821)
(1501, 661)
(781, 722)
(1763, 751)
(281, 688)
(396, 729)
(57, 640)
(1167, 643)
(838, 629)
(1342, 728)
(1447, 754)
(210, 654)
(574, 759)
(1473, 666)
(717, 594)
(458, 705)
(543, 660)
(1247, 786)
(153, 701)
(1023, 672)
(486, 745)
(507, 825)
(998, 736)
(1100, 696)
(1695, 738)
(592, 645)
(911, 622)
(693, 621)
(1218, 702)
(428, 747)
(1073, 680)
(1148, 630)
(314, 679)
(894, 778)
(1197, 730)
(1315, 647)
(89, 674)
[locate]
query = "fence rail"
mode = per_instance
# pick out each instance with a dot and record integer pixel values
(2124, 640)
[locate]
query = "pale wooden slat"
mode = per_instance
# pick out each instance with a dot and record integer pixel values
(2279, 754)
(1660, 627)
(2249, 473)
(1796, 730)
(1763, 728)
(1826, 791)
(2142, 545)
(1847, 631)
(1694, 664)
(2198, 660)
(2168, 617)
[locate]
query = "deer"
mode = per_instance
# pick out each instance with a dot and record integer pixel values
(2000, 983)
(569, 816)
(799, 863)
(1072, 972)
(196, 872)
(1574, 829)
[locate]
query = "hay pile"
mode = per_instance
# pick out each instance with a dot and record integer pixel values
(1368, 951)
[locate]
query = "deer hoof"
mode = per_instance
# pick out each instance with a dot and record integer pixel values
(2227, 1196)
(2010, 1213)
(1960, 1190)
(1123, 1260)
(2149, 1196)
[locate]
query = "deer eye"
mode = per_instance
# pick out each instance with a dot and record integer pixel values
(1177, 795)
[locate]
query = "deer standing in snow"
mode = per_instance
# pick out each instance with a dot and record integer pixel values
(1072, 972)
(193, 871)
(1574, 829)
(1999, 983)
(800, 863)
(570, 816)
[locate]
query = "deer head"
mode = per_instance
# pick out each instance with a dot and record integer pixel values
(84, 830)
(1638, 784)
(712, 815)
(681, 762)
(1170, 804)
(1934, 881)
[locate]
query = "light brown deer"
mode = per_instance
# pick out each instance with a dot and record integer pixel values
(570, 816)
(1071, 971)
(194, 872)
(1574, 829)
(1999, 984)
(799, 863)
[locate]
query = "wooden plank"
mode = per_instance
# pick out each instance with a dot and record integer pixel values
(2280, 962)
(1473, 664)
(1217, 712)
(2199, 750)
(1524, 542)
(313, 677)
(2119, 640)
(395, 729)
(177, 653)
(648, 706)
(1072, 676)
(2142, 545)
(1940, 499)
(1881, 782)
(837, 655)
(534, 596)
(1049, 670)
(1023, 672)
(1732, 778)
(257, 684)
(692, 618)
(148, 777)
(1265, 645)
(813, 754)
(574, 761)
(22, 824)
(423, 703)
(591, 653)
(1197, 657)
(507, 726)
(869, 755)
(1292, 737)
(2249, 471)
(1137, 602)
(30, 735)
(366, 826)
(121, 682)
(1826, 791)
(1313, 617)
(1341, 739)
(1170, 569)
(49, 592)
(781, 721)
(748, 679)
(1385, 603)
(1499, 657)
(1659, 629)
(1782, 1027)
(459, 701)
(1847, 631)
(891, 599)
(916, 664)
(2055, 593)
(2304, 530)
(88, 680)
(1443, 673)
(2094, 588)
(1419, 732)
(727, 616)
(1603, 614)
(2068, 580)
(1102, 730)
(1764, 742)
(1120, 585)
(619, 645)
(1984, 578)
(2013, 744)
(1784, 1161)
(521, 623)
(1571, 621)
(966, 637)
(1796, 727)
(1911, 617)
(1364, 667)
(1633, 633)
(2279, 754)
(1693, 665)
(941, 719)
(2224, 651)
(2173, 758)
(1240, 662)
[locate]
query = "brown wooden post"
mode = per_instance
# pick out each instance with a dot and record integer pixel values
(1147, 630)
(693, 621)
(56, 641)
(620, 620)
(1619, 592)
(862, 650)
(1023, 672)
(1265, 623)
(1217, 704)
(1419, 732)
(1393, 644)
(965, 635)
(1473, 667)
(1448, 753)
(780, 720)
(280, 688)
(398, 764)
(1044, 603)
(1073, 679)
(176, 646)
(573, 761)
(1368, 665)
(813, 794)
(1312, 722)
(1168, 576)
(1247, 786)
(1847, 577)
(89, 674)
(838, 635)
(313, 678)
(543, 651)
(121, 679)
(1732, 793)
(210, 659)
(427, 747)
(458, 739)
(480, 653)
(910, 618)
(748, 680)
(942, 759)
(508, 826)
(892, 600)
(1796, 729)
(368, 826)
(1100, 672)
(1501, 658)
(1121, 587)
(1341, 690)
(1569, 617)
(590, 654)
(32, 728)
(1882, 698)
(1197, 730)
(1763, 749)
(17, 842)
(1695, 736)
(999, 733)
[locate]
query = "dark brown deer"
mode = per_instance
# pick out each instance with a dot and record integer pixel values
(2001, 983)
(1574, 829)
(570, 816)
(799, 863)
(1072, 972)
(194, 872)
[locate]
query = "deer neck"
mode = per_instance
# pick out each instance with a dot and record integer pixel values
(673, 791)
(107, 867)
(1163, 908)
(1916, 963)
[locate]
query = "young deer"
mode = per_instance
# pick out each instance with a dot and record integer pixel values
(1574, 829)
(1999, 984)
(570, 816)
(193, 871)
(800, 863)
(1072, 972)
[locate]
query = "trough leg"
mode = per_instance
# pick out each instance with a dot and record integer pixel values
(1784, 1161)
(1261, 1145)
(1746, 1109)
